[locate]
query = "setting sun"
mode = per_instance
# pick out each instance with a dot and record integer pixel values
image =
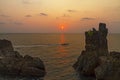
(62, 27)
(60, 39)
(54, 16)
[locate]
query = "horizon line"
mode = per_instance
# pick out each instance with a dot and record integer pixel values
(50, 33)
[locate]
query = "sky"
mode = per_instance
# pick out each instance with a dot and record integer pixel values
(56, 16)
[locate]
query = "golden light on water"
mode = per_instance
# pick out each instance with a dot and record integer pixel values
(62, 50)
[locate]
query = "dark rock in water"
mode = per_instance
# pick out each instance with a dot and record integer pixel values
(65, 44)
(6, 45)
(14, 64)
(115, 54)
(95, 60)
(96, 45)
(86, 63)
(32, 67)
(109, 69)
(97, 40)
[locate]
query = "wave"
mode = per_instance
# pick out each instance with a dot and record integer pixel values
(39, 45)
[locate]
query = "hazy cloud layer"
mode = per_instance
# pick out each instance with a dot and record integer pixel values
(28, 15)
(71, 11)
(3, 15)
(57, 18)
(18, 23)
(2, 23)
(87, 18)
(66, 15)
(26, 2)
(43, 14)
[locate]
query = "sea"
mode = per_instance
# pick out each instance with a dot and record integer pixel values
(58, 51)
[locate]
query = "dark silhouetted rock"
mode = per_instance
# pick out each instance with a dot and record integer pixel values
(97, 40)
(115, 54)
(86, 63)
(109, 68)
(96, 46)
(32, 67)
(95, 60)
(14, 64)
(5, 46)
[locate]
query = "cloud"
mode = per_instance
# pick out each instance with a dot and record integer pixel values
(57, 17)
(65, 15)
(115, 22)
(71, 11)
(87, 18)
(26, 2)
(18, 23)
(28, 15)
(3, 15)
(43, 14)
(2, 23)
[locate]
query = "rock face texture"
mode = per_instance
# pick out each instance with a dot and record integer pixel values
(14, 64)
(95, 60)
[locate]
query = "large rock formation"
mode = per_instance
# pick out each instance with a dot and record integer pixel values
(97, 41)
(109, 68)
(95, 59)
(14, 64)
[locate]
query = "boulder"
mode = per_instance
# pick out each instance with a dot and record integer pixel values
(86, 63)
(109, 69)
(115, 54)
(32, 67)
(6, 45)
(14, 64)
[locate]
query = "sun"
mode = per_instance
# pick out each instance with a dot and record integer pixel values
(62, 27)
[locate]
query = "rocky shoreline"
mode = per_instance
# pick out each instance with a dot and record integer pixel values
(14, 66)
(96, 61)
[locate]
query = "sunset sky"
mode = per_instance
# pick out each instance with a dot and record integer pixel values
(54, 16)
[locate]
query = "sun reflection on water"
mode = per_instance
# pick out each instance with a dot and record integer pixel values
(62, 51)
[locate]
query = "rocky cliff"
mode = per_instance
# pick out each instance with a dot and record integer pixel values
(95, 60)
(14, 65)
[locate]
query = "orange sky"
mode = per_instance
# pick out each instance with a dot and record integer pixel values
(46, 16)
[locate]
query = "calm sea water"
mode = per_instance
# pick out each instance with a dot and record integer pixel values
(58, 59)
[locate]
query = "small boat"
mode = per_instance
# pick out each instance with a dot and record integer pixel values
(65, 44)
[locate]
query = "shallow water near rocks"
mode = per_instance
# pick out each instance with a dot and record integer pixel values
(58, 59)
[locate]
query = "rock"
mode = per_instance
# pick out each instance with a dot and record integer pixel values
(32, 67)
(86, 63)
(6, 45)
(14, 64)
(109, 68)
(97, 40)
(95, 60)
(115, 54)
(96, 46)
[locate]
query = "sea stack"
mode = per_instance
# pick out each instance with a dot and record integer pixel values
(95, 60)
(97, 40)
(14, 66)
